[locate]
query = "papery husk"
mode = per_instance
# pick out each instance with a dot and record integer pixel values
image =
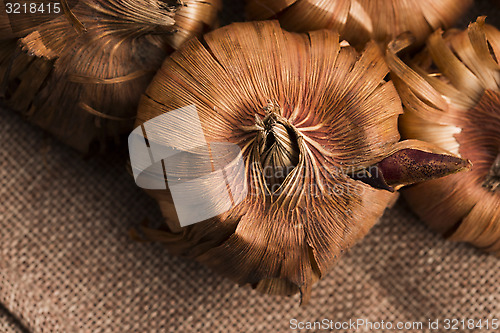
(343, 118)
(454, 102)
(358, 21)
(79, 74)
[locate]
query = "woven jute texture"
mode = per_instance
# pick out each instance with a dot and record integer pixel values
(67, 263)
(9, 324)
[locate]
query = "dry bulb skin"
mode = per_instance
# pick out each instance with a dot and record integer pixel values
(452, 99)
(78, 68)
(361, 20)
(317, 126)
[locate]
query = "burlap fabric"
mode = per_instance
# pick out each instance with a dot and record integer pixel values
(67, 263)
(9, 324)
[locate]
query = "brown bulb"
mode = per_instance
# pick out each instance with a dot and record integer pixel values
(316, 123)
(451, 93)
(358, 21)
(78, 68)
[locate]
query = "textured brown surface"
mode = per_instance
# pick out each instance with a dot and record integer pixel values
(68, 265)
(8, 324)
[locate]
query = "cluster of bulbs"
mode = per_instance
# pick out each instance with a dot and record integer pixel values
(323, 89)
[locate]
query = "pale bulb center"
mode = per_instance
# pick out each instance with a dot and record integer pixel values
(279, 150)
(492, 181)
